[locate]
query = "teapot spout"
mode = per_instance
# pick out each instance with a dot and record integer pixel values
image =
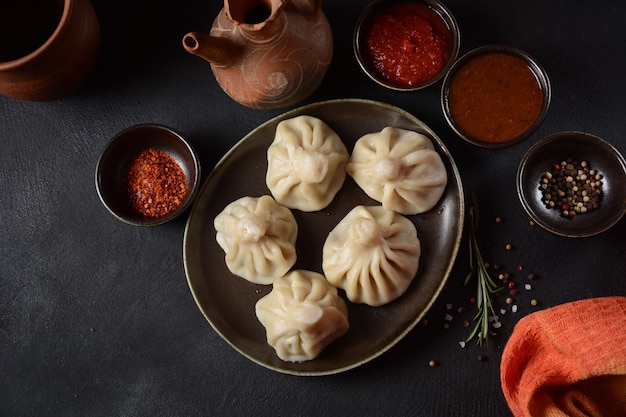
(214, 49)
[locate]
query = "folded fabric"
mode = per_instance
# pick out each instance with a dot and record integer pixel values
(568, 360)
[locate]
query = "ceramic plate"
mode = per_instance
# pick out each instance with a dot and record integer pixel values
(228, 301)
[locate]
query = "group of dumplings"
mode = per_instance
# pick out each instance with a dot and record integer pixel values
(372, 253)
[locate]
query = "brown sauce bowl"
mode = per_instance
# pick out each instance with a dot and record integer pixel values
(495, 96)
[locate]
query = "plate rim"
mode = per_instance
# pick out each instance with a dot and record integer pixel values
(452, 259)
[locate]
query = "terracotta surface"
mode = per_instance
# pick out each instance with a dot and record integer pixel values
(47, 53)
(267, 57)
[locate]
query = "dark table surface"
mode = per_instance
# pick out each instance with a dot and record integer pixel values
(96, 317)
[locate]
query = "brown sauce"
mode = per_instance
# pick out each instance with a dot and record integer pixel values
(495, 97)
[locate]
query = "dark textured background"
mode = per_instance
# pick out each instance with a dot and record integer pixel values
(96, 318)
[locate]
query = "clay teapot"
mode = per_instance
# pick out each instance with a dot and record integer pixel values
(266, 53)
(48, 48)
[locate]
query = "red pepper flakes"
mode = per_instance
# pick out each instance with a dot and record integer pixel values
(155, 183)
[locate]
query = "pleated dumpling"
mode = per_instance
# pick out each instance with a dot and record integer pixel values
(372, 254)
(400, 169)
(306, 164)
(302, 315)
(258, 236)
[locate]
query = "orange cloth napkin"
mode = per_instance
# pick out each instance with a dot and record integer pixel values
(568, 360)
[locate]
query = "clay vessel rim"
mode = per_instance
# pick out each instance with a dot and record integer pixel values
(255, 26)
(67, 5)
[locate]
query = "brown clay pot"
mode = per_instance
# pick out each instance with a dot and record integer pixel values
(268, 53)
(48, 48)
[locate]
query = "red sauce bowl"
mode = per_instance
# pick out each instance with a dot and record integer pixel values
(495, 96)
(406, 45)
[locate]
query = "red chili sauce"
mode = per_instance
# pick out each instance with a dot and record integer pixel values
(407, 44)
(495, 97)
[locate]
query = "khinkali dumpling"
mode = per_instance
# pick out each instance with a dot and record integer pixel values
(302, 315)
(400, 169)
(372, 254)
(258, 236)
(306, 164)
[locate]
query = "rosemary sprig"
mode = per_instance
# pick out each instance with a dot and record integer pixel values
(486, 286)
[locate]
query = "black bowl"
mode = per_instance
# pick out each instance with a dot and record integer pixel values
(494, 50)
(113, 165)
(600, 155)
(378, 6)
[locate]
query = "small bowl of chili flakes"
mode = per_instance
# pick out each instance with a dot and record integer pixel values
(495, 96)
(147, 175)
(572, 184)
(406, 45)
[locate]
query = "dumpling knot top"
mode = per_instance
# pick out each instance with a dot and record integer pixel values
(400, 169)
(372, 254)
(258, 236)
(306, 164)
(302, 315)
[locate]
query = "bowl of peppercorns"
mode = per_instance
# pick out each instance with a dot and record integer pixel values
(147, 175)
(572, 184)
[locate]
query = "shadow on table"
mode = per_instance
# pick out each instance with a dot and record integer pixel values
(133, 31)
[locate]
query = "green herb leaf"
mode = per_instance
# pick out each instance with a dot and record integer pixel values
(486, 287)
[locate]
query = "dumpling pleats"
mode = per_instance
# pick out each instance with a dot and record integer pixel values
(306, 164)
(302, 315)
(400, 169)
(258, 237)
(372, 254)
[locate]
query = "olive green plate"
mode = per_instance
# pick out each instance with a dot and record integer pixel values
(228, 301)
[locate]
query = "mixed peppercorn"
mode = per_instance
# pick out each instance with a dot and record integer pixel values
(572, 187)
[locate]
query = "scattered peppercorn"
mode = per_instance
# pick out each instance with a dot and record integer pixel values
(499, 220)
(572, 187)
(155, 183)
(432, 363)
(482, 358)
(509, 246)
(533, 302)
